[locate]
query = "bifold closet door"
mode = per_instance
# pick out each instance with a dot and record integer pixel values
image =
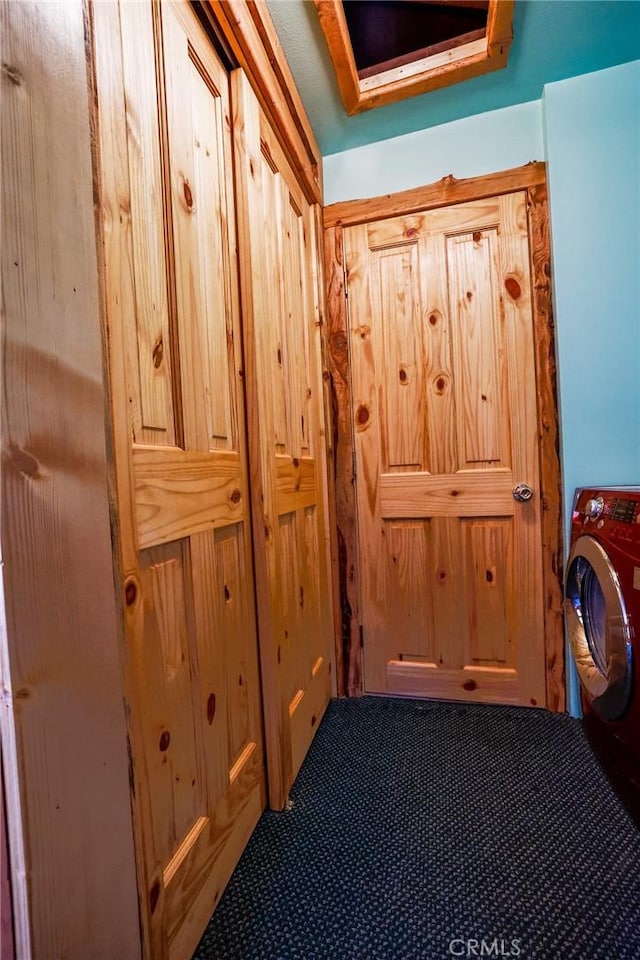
(191, 659)
(278, 257)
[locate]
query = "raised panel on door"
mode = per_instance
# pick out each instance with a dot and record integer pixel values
(444, 413)
(286, 431)
(183, 500)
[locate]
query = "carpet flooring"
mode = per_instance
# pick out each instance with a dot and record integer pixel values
(423, 830)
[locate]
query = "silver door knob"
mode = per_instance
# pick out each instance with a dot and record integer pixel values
(522, 492)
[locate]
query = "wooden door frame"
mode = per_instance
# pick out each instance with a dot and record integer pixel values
(531, 179)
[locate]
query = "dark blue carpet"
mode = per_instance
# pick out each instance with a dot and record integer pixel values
(428, 830)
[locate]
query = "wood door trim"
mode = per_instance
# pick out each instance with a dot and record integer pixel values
(349, 674)
(248, 30)
(448, 191)
(548, 442)
(443, 193)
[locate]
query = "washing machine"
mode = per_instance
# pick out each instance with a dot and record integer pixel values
(602, 606)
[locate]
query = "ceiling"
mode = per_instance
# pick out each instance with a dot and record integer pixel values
(553, 40)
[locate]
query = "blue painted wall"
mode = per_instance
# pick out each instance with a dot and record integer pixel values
(467, 148)
(592, 127)
(588, 130)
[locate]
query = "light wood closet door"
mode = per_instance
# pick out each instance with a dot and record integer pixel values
(278, 257)
(444, 408)
(183, 503)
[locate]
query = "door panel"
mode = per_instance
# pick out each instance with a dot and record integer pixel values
(183, 499)
(444, 409)
(286, 433)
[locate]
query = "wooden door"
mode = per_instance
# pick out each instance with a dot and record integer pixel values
(278, 258)
(183, 505)
(445, 426)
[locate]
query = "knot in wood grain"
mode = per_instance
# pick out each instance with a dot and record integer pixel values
(25, 462)
(154, 895)
(513, 288)
(338, 343)
(158, 353)
(12, 74)
(235, 496)
(362, 415)
(188, 195)
(211, 708)
(130, 592)
(165, 740)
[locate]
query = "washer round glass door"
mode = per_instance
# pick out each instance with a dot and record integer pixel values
(599, 629)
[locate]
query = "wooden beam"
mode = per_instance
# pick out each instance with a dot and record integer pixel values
(443, 193)
(334, 26)
(248, 30)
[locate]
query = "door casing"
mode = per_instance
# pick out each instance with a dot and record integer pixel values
(446, 192)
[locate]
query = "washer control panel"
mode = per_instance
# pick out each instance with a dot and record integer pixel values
(612, 514)
(623, 510)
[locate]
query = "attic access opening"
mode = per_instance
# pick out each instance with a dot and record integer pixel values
(388, 50)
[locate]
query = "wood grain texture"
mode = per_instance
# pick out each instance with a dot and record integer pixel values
(483, 290)
(402, 405)
(428, 680)
(296, 485)
(183, 530)
(469, 493)
(179, 493)
(408, 207)
(336, 32)
(548, 439)
(439, 68)
(285, 418)
(63, 724)
(489, 568)
(150, 373)
(348, 651)
(437, 63)
(477, 352)
(329, 451)
(247, 28)
(443, 193)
